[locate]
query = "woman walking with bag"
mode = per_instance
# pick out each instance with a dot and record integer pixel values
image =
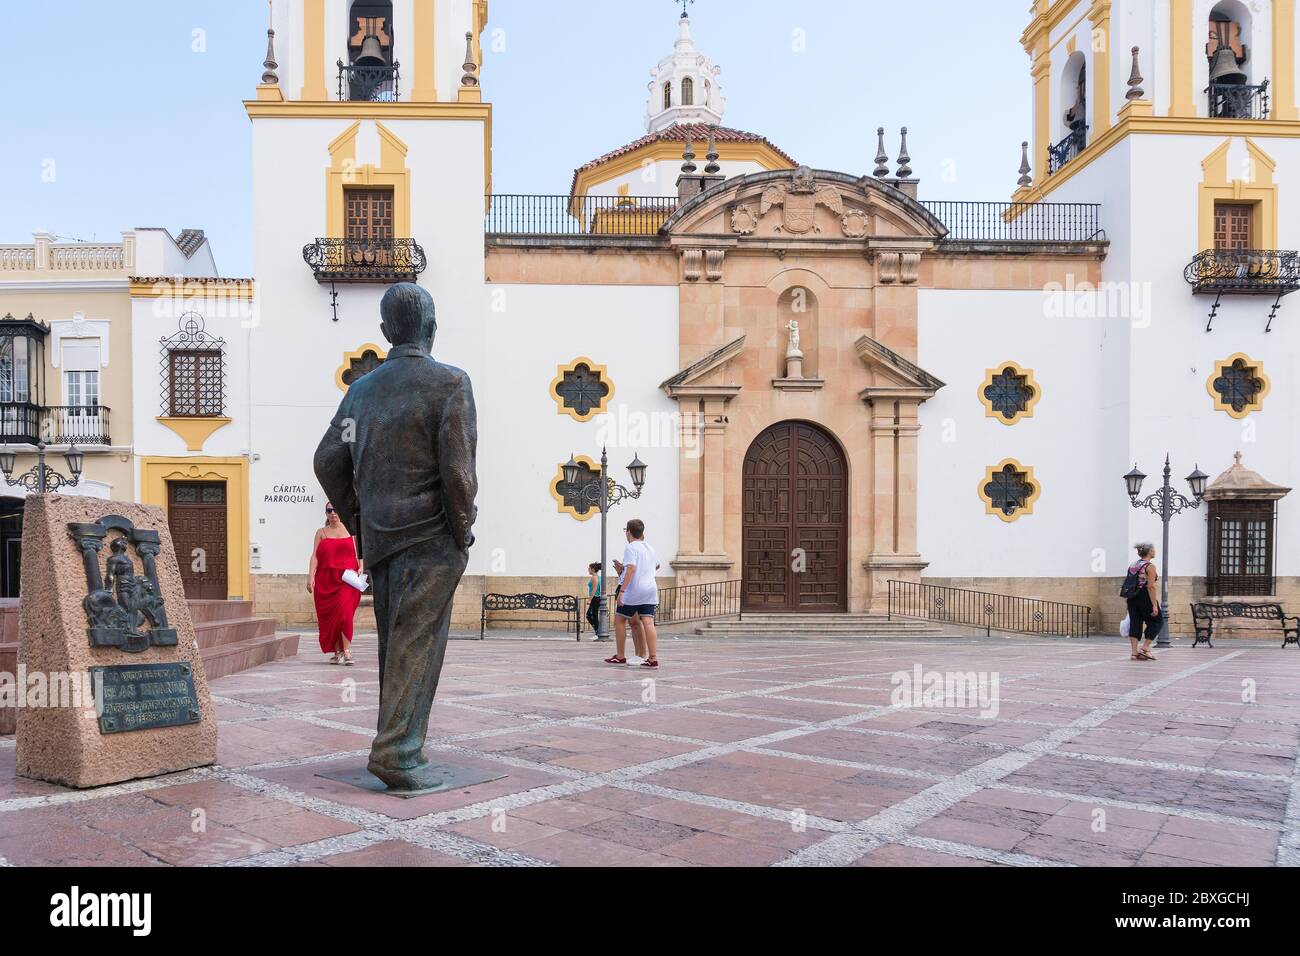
(1143, 598)
(333, 552)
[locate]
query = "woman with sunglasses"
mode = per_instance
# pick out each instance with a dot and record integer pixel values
(332, 553)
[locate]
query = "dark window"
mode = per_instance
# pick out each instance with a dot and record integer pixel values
(1009, 393)
(1233, 224)
(1241, 548)
(361, 366)
(571, 494)
(582, 389)
(688, 92)
(1010, 490)
(1238, 386)
(668, 95)
(196, 383)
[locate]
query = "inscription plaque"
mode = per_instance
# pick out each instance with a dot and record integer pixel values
(144, 696)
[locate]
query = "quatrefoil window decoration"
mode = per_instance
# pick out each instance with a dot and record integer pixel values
(1009, 490)
(356, 365)
(582, 389)
(568, 498)
(1009, 393)
(1238, 385)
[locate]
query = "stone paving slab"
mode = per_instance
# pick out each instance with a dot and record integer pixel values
(752, 752)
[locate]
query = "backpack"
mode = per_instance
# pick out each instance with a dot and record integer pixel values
(1135, 580)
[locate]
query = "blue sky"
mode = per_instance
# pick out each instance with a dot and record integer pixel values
(136, 120)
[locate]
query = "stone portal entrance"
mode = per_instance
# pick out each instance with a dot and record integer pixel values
(795, 521)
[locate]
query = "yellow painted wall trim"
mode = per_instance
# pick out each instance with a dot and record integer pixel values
(1100, 69)
(561, 506)
(344, 172)
(1035, 392)
(1132, 122)
(313, 50)
(1040, 72)
(1259, 191)
(185, 288)
(1284, 74)
(1028, 508)
(1252, 368)
(425, 88)
(194, 431)
(480, 24)
(601, 370)
(353, 356)
(156, 472)
(1181, 102)
(270, 93)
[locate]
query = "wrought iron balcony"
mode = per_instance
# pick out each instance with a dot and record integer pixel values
(24, 423)
(1220, 272)
(369, 84)
(365, 260)
(1232, 101)
(1067, 149)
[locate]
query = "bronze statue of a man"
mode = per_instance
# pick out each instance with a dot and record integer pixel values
(398, 465)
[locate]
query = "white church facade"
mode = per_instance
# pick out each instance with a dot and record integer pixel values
(842, 391)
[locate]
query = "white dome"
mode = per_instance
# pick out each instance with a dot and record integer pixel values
(684, 86)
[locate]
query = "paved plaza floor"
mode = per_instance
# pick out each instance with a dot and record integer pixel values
(744, 752)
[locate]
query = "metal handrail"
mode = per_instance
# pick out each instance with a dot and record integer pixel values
(1238, 101)
(1067, 149)
(698, 602)
(992, 612)
(373, 84)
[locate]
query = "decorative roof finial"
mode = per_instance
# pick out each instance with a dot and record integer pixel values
(712, 168)
(1135, 91)
(685, 16)
(904, 161)
(470, 67)
(688, 157)
(882, 158)
(1025, 180)
(269, 76)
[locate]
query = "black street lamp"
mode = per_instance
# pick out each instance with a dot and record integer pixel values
(41, 478)
(1165, 503)
(604, 493)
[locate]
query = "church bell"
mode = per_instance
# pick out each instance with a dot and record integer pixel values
(1224, 68)
(372, 53)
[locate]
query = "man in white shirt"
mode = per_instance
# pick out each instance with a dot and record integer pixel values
(639, 598)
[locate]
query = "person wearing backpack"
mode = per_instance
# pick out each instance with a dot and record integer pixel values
(1143, 601)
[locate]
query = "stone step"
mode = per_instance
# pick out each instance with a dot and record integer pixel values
(219, 633)
(805, 629)
(227, 659)
(202, 612)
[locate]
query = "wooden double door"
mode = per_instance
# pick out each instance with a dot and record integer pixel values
(795, 521)
(196, 515)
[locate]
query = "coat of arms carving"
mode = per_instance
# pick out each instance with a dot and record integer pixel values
(119, 602)
(799, 200)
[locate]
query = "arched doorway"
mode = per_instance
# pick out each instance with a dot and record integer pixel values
(795, 521)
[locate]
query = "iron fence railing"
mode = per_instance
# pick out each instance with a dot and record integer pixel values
(373, 84)
(1067, 149)
(1018, 221)
(992, 612)
(78, 425)
(365, 260)
(697, 602)
(1262, 271)
(20, 422)
(1238, 101)
(518, 214)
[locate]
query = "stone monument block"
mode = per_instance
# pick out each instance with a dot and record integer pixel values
(104, 612)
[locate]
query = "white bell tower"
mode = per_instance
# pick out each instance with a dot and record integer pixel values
(684, 86)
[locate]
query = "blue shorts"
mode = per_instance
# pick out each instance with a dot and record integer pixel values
(633, 610)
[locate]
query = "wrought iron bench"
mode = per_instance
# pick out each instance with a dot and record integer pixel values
(565, 604)
(1204, 616)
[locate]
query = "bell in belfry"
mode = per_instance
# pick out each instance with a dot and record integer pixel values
(372, 53)
(1224, 68)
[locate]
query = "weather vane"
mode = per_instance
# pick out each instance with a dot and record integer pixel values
(684, 3)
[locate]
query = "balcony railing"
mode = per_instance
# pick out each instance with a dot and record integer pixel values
(1245, 271)
(1018, 221)
(365, 260)
(24, 423)
(1233, 101)
(990, 612)
(369, 84)
(1067, 149)
(44, 255)
(524, 215)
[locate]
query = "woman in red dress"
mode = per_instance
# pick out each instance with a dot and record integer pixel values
(332, 553)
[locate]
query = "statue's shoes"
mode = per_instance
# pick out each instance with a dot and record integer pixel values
(415, 779)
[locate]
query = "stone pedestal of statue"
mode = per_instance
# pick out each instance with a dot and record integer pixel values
(110, 674)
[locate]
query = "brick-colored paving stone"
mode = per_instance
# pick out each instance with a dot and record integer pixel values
(739, 753)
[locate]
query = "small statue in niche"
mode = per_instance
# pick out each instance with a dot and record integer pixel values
(793, 354)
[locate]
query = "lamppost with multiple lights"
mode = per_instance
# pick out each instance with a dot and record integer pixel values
(1165, 503)
(41, 478)
(604, 493)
